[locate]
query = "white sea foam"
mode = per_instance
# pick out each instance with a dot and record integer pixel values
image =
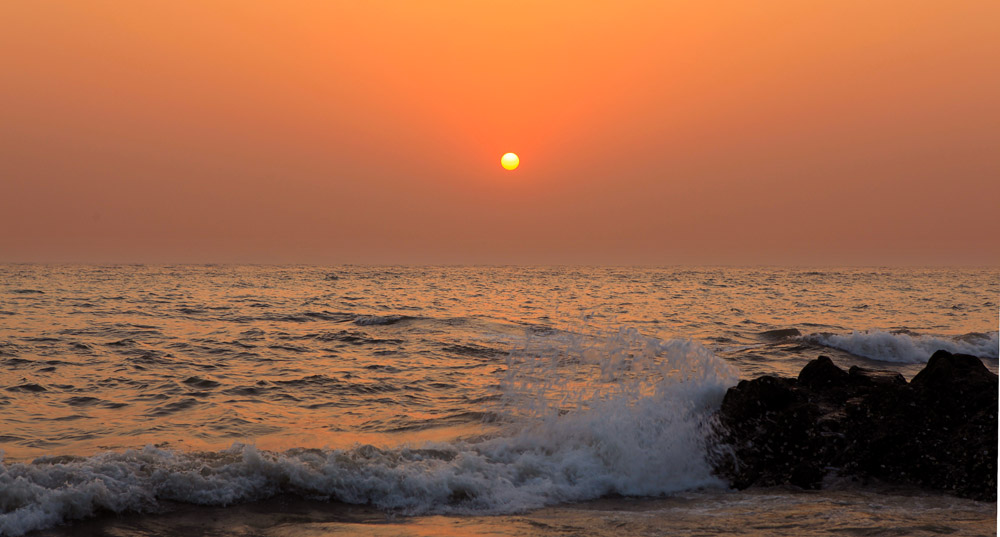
(907, 347)
(641, 432)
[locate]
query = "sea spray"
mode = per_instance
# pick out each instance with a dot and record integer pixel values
(635, 407)
(587, 417)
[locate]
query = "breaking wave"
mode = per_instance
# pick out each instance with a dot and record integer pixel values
(642, 431)
(904, 347)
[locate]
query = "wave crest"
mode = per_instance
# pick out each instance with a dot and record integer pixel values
(902, 347)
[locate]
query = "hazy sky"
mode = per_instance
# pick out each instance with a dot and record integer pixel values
(742, 132)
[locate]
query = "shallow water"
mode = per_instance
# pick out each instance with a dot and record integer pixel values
(421, 390)
(761, 512)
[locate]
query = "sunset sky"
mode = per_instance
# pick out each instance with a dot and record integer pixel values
(737, 132)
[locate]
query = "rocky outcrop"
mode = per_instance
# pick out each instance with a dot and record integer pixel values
(938, 431)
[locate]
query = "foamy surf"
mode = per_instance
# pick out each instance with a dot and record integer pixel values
(636, 437)
(907, 347)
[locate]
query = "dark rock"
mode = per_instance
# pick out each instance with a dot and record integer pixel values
(938, 431)
(774, 416)
(961, 372)
(822, 373)
(861, 376)
(941, 432)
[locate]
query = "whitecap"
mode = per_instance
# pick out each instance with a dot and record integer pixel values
(907, 347)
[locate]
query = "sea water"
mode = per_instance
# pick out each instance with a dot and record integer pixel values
(507, 400)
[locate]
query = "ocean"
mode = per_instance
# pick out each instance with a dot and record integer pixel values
(459, 400)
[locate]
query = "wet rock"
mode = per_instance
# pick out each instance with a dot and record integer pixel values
(860, 376)
(774, 417)
(937, 431)
(958, 372)
(822, 373)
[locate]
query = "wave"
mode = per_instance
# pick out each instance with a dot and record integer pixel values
(647, 441)
(907, 347)
(371, 320)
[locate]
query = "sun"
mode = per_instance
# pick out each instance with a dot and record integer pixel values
(509, 161)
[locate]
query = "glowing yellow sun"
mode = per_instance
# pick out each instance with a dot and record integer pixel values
(509, 161)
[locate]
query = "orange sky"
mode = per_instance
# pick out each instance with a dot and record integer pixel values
(820, 132)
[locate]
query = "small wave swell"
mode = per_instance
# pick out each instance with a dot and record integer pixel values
(375, 320)
(906, 347)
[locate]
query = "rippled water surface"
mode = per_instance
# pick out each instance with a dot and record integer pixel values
(304, 364)
(100, 357)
